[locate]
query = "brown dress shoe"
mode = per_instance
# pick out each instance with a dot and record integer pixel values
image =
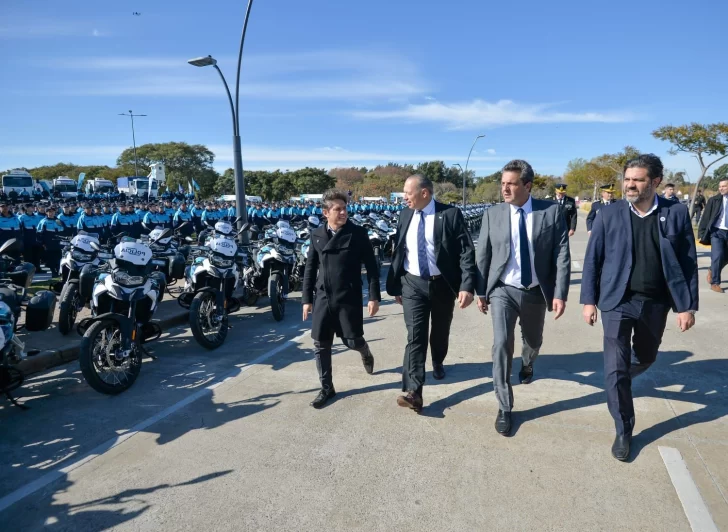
(710, 277)
(411, 400)
(716, 288)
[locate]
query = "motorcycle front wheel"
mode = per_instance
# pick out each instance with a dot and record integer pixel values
(208, 329)
(68, 308)
(103, 364)
(275, 293)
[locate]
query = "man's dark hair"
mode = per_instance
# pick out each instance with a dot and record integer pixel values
(649, 162)
(670, 185)
(423, 182)
(520, 167)
(334, 194)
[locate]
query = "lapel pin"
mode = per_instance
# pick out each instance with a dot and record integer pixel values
(662, 219)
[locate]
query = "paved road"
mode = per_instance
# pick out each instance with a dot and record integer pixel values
(251, 454)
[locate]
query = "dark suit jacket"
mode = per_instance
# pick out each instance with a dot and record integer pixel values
(333, 268)
(550, 241)
(570, 214)
(609, 255)
(454, 250)
(710, 216)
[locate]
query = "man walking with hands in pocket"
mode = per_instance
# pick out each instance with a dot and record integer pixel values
(333, 269)
(524, 268)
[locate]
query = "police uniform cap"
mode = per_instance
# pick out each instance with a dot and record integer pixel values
(561, 187)
(607, 188)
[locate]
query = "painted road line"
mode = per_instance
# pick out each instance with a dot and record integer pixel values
(100, 450)
(693, 504)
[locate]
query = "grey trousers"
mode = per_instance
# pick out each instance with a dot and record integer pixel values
(508, 305)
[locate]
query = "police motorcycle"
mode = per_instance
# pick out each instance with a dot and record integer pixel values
(378, 234)
(14, 281)
(391, 220)
(169, 249)
(124, 293)
(77, 253)
(209, 284)
(303, 242)
(269, 271)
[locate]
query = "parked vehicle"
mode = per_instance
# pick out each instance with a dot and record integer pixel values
(269, 271)
(303, 241)
(14, 280)
(209, 284)
(125, 293)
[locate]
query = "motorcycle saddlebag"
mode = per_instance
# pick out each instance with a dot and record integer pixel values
(86, 280)
(40, 310)
(177, 266)
(22, 275)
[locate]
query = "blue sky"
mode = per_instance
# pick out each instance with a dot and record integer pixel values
(342, 83)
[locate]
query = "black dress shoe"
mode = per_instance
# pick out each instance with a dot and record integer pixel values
(368, 361)
(503, 423)
(411, 400)
(526, 373)
(323, 397)
(438, 372)
(620, 447)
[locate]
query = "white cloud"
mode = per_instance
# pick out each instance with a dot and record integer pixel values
(480, 113)
(491, 151)
(47, 29)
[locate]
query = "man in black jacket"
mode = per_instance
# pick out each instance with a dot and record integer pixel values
(333, 270)
(432, 265)
(568, 206)
(713, 231)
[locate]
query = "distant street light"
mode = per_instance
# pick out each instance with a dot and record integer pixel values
(466, 165)
(242, 212)
(133, 138)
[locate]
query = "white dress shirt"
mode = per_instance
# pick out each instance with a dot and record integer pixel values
(653, 209)
(411, 260)
(722, 221)
(512, 274)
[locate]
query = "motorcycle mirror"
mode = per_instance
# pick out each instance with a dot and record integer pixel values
(8, 245)
(182, 225)
(94, 246)
(189, 239)
(164, 234)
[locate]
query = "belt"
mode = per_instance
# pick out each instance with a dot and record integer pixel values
(432, 277)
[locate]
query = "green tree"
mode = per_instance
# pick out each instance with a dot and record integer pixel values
(703, 141)
(435, 171)
(311, 181)
(182, 162)
(225, 183)
(719, 174)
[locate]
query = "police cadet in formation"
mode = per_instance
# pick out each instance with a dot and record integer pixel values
(69, 220)
(640, 263)
(181, 216)
(89, 222)
(607, 198)
(568, 206)
(49, 234)
(29, 221)
(713, 232)
(333, 272)
(10, 228)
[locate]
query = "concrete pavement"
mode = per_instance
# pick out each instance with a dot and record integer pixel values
(251, 454)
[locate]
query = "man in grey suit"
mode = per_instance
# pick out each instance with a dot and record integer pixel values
(524, 268)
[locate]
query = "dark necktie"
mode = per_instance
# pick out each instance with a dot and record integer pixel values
(422, 248)
(523, 250)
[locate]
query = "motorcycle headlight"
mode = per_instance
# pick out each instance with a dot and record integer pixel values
(124, 279)
(220, 262)
(80, 256)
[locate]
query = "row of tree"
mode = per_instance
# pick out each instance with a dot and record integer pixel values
(186, 162)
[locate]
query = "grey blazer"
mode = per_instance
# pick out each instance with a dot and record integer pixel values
(552, 259)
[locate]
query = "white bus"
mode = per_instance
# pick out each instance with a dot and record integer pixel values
(18, 181)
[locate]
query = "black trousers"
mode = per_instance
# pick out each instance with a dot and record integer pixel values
(52, 259)
(421, 301)
(322, 350)
(632, 335)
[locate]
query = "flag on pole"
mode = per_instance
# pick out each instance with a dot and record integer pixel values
(194, 184)
(189, 187)
(81, 177)
(180, 189)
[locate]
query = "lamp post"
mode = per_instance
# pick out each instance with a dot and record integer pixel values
(466, 165)
(463, 174)
(133, 138)
(235, 110)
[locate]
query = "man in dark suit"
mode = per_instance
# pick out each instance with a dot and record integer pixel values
(669, 193)
(524, 268)
(568, 206)
(607, 198)
(432, 265)
(635, 291)
(713, 231)
(333, 269)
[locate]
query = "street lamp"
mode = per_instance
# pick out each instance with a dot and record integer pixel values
(463, 174)
(235, 110)
(133, 138)
(466, 164)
